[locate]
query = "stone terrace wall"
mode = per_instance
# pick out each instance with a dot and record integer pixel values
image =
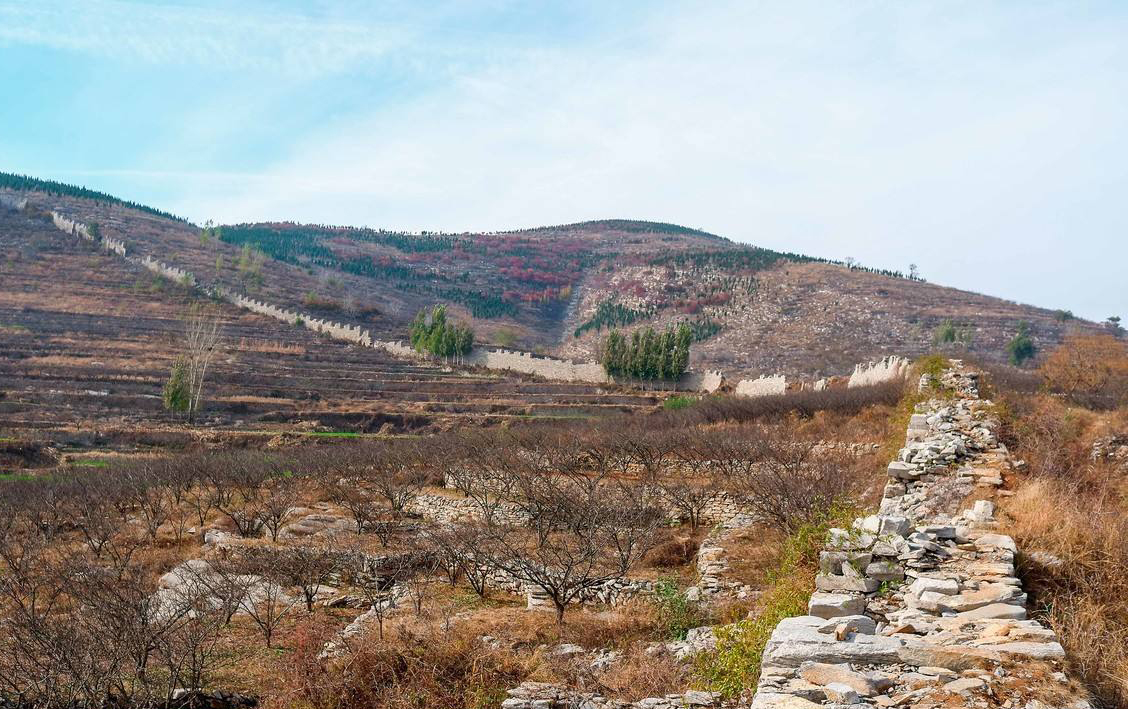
(919, 605)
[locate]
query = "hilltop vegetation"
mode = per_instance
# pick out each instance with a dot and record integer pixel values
(23, 183)
(558, 289)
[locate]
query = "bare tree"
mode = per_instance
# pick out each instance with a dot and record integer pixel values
(265, 601)
(782, 479)
(201, 341)
(583, 532)
(307, 566)
(692, 484)
(279, 495)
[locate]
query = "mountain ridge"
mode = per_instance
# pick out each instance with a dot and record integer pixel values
(559, 289)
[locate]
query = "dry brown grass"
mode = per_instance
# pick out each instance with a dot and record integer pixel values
(1076, 511)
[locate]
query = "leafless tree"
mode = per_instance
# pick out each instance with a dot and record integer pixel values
(781, 479)
(278, 498)
(361, 502)
(462, 551)
(200, 343)
(582, 533)
(307, 566)
(266, 601)
(690, 483)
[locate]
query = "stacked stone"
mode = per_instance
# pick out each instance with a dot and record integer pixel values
(713, 566)
(537, 695)
(917, 606)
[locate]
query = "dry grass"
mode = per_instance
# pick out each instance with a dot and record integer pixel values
(1075, 512)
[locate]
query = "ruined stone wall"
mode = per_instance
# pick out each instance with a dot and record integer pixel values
(12, 202)
(884, 370)
(708, 381)
(919, 604)
(764, 386)
(490, 358)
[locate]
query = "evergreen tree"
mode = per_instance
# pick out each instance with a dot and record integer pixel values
(430, 333)
(1021, 347)
(177, 394)
(649, 355)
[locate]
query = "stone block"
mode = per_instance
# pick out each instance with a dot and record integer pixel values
(835, 605)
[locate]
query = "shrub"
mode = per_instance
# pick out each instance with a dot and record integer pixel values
(735, 663)
(804, 404)
(1021, 347)
(1090, 370)
(177, 394)
(1071, 521)
(677, 615)
(675, 403)
(947, 333)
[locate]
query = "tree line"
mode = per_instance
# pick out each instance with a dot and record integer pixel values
(430, 333)
(648, 355)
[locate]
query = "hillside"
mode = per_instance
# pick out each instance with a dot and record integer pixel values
(87, 340)
(559, 289)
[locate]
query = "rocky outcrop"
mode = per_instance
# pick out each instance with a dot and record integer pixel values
(919, 604)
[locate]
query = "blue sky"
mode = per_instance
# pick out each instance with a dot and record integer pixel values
(985, 142)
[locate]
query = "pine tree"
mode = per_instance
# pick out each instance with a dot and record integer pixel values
(177, 394)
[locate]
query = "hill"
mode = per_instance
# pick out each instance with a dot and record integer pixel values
(559, 289)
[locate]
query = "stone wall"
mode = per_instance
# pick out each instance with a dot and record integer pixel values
(884, 370)
(919, 604)
(453, 510)
(490, 358)
(764, 386)
(708, 381)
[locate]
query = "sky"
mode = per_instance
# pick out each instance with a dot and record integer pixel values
(985, 142)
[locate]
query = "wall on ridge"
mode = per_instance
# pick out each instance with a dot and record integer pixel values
(490, 358)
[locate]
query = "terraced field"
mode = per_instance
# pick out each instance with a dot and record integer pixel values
(87, 341)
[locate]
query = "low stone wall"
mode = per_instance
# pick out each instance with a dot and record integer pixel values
(452, 510)
(919, 604)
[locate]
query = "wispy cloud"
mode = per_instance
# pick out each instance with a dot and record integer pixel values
(232, 38)
(984, 142)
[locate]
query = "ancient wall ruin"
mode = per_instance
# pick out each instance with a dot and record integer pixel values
(12, 202)
(763, 386)
(553, 368)
(884, 370)
(919, 604)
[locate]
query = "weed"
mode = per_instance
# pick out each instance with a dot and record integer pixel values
(675, 403)
(677, 615)
(735, 663)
